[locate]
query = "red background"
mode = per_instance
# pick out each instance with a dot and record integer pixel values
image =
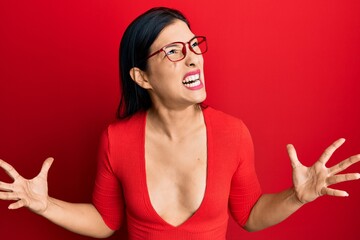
(289, 69)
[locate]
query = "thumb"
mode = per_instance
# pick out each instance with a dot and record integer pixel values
(293, 156)
(45, 167)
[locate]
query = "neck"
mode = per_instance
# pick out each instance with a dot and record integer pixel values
(175, 124)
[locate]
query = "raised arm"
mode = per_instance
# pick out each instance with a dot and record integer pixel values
(81, 218)
(309, 184)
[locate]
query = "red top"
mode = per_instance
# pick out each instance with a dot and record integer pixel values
(231, 185)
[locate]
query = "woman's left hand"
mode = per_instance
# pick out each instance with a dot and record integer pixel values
(312, 182)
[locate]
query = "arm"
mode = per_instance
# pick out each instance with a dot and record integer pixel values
(309, 184)
(33, 193)
(81, 218)
(271, 209)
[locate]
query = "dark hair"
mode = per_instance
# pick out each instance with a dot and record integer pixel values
(134, 48)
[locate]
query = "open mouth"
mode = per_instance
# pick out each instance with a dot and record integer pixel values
(192, 81)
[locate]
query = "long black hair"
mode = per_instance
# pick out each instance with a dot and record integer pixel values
(134, 49)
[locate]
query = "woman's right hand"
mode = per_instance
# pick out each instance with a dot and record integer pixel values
(30, 193)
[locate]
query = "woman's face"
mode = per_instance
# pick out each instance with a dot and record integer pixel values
(175, 84)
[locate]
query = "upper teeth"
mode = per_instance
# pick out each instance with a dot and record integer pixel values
(191, 78)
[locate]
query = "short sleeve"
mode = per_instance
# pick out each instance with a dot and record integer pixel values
(107, 195)
(245, 188)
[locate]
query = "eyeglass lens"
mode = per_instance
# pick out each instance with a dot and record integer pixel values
(176, 51)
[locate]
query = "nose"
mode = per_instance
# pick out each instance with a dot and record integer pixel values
(192, 59)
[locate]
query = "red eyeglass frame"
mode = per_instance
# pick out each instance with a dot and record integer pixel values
(183, 49)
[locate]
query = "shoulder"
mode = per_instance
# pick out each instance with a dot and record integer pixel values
(222, 120)
(226, 128)
(131, 123)
(130, 128)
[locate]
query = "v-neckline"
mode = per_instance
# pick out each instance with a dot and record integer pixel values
(144, 175)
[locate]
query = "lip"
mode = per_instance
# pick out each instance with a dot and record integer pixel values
(201, 85)
(192, 73)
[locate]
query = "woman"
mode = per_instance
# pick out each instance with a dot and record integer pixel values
(170, 166)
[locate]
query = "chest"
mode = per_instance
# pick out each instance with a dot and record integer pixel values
(174, 183)
(176, 173)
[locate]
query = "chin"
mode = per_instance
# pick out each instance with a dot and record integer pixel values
(201, 98)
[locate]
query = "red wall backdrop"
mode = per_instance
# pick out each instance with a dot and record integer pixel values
(289, 69)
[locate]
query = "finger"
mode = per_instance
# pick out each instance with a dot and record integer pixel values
(10, 170)
(344, 164)
(324, 158)
(10, 196)
(6, 187)
(293, 156)
(342, 178)
(45, 167)
(17, 205)
(334, 192)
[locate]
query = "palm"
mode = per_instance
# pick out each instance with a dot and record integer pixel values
(31, 193)
(312, 182)
(309, 181)
(37, 191)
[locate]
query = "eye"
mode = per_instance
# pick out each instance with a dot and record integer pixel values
(195, 44)
(171, 51)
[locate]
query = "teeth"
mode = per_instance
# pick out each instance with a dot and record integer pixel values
(192, 84)
(191, 79)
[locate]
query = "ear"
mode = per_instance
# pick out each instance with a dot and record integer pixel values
(139, 76)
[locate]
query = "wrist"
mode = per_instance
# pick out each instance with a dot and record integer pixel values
(295, 197)
(45, 209)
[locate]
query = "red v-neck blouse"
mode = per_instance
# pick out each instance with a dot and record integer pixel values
(231, 186)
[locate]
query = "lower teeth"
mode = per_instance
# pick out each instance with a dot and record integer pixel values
(193, 83)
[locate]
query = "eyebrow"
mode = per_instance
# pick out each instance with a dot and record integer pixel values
(177, 42)
(174, 44)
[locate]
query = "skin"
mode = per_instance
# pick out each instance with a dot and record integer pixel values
(176, 136)
(175, 131)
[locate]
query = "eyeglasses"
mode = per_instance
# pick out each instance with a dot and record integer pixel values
(176, 51)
